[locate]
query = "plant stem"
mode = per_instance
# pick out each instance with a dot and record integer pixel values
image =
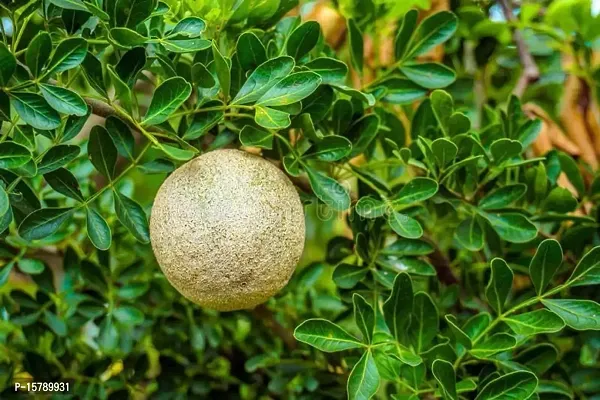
(510, 311)
(531, 72)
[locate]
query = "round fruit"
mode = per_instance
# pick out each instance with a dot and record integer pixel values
(227, 229)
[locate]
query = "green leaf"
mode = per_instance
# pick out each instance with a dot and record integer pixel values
(122, 90)
(176, 153)
(223, 71)
(399, 90)
(250, 51)
(121, 136)
(495, 344)
(202, 77)
(364, 317)
(425, 319)
(405, 33)
(370, 207)
(363, 381)
(8, 65)
(271, 118)
(346, 276)
(303, 39)
(328, 190)
(442, 106)
(476, 325)
(185, 45)
(534, 323)
(418, 189)
(4, 202)
(5, 107)
(500, 283)
(470, 234)
(264, 78)
(92, 70)
(167, 98)
(362, 133)
(43, 222)
(460, 336)
(76, 5)
(429, 75)
(587, 271)
(555, 388)
(505, 149)
(405, 226)
(31, 266)
(132, 216)
(55, 323)
(356, 45)
(35, 111)
(126, 38)
(512, 227)
(515, 385)
(190, 26)
(96, 10)
(128, 315)
(444, 151)
(578, 314)
(38, 52)
(130, 65)
(559, 200)
(13, 155)
(133, 290)
(445, 376)
(158, 166)
(291, 89)
(432, 31)
(544, 264)
(5, 273)
(130, 13)
(64, 100)
(64, 182)
(102, 151)
(329, 69)
(108, 335)
(74, 125)
(408, 247)
(571, 169)
(458, 124)
(27, 170)
(398, 307)
(251, 136)
(356, 94)
(331, 148)
(203, 122)
(98, 230)
(529, 132)
(502, 197)
(25, 136)
(325, 336)
(68, 54)
(410, 265)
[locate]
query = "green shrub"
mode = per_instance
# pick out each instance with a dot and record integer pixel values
(443, 259)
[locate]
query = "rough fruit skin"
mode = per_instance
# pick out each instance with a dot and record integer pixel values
(227, 229)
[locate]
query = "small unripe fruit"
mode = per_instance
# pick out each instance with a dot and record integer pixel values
(227, 229)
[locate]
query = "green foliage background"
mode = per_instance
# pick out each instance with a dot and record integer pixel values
(443, 260)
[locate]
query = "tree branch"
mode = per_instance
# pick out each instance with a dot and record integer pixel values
(262, 313)
(100, 108)
(531, 72)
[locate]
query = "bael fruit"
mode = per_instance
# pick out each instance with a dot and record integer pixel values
(227, 229)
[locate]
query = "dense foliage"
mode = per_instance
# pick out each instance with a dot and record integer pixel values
(451, 224)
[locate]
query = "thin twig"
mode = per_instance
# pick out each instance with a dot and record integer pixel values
(531, 72)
